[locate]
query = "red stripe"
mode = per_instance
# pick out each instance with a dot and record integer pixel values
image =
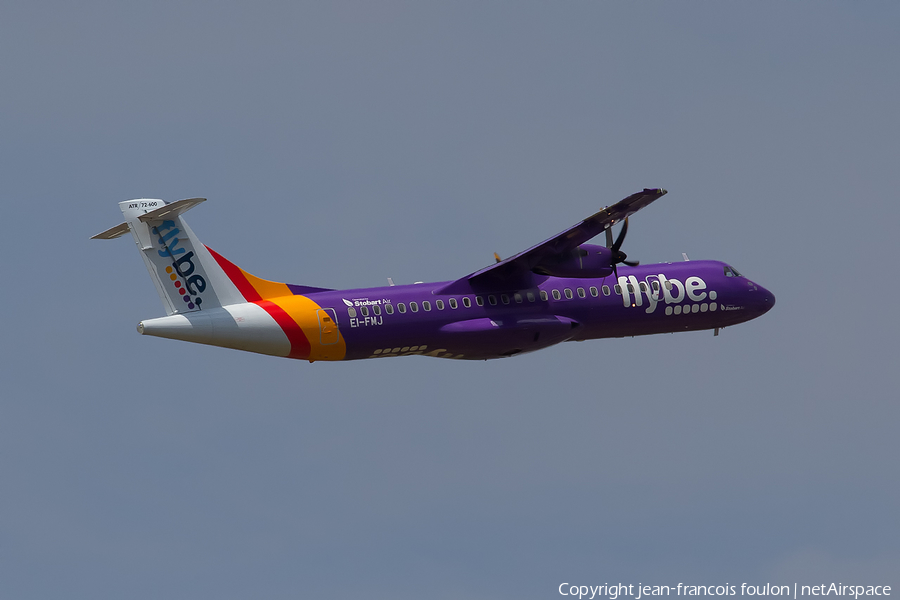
(236, 275)
(299, 343)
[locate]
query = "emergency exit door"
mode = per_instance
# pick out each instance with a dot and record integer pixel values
(328, 328)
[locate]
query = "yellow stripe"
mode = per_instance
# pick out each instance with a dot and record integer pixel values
(265, 288)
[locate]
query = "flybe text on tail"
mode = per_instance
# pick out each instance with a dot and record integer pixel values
(182, 273)
(167, 232)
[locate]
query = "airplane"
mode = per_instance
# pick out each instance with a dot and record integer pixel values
(562, 289)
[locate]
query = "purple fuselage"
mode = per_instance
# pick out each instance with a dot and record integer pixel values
(478, 325)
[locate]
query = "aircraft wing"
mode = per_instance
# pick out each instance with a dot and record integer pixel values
(515, 271)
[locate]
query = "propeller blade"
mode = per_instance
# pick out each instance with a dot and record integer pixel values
(618, 244)
(609, 238)
(631, 263)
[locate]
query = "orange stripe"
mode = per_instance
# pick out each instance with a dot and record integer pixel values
(299, 343)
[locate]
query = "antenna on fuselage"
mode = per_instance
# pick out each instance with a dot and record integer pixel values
(497, 257)
(390, 282)
(686, 259)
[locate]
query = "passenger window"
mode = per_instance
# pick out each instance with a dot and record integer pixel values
(618, 289)
(669, 285)
(504, 298)
(401, 307)
(581, 293)
(413, 307)
(479, 300)
(467, 302)
(351, 311)
(530, 296)
(568, 294)
(643, 285)
(364, 310)
(492, 300)
(426, 305)
(518, 298)
(389, 309)
(439, 304)
(376, 309)
(594, 292)
(452, 302)
(655, 285)
(631, 287)
(606, 290)
(556, 295)
(543, 295)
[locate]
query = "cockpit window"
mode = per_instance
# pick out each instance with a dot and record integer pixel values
(731, 272)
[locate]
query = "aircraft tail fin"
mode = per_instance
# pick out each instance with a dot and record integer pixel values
(188, 275)
(184, 272)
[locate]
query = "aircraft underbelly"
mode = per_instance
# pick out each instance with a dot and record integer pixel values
(475, 339)
(492, 338)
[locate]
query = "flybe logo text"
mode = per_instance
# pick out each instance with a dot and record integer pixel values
(167, 232)
(659, 288)
(184, 266)
(184, 275)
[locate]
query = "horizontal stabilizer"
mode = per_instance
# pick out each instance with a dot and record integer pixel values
(171, 210)
(112, 233)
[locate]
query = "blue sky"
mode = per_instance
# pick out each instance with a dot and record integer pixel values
(343, 143)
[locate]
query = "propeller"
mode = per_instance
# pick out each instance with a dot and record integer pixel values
(617, 255)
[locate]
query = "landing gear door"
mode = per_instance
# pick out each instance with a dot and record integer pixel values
(328, 329)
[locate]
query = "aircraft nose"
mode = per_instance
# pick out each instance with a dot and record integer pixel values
(766, 299)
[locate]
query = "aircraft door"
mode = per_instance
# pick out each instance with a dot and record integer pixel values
(328, 328)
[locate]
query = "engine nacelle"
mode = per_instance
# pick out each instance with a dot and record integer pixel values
(587, 260)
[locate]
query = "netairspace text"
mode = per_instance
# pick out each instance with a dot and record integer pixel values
(639, 591)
